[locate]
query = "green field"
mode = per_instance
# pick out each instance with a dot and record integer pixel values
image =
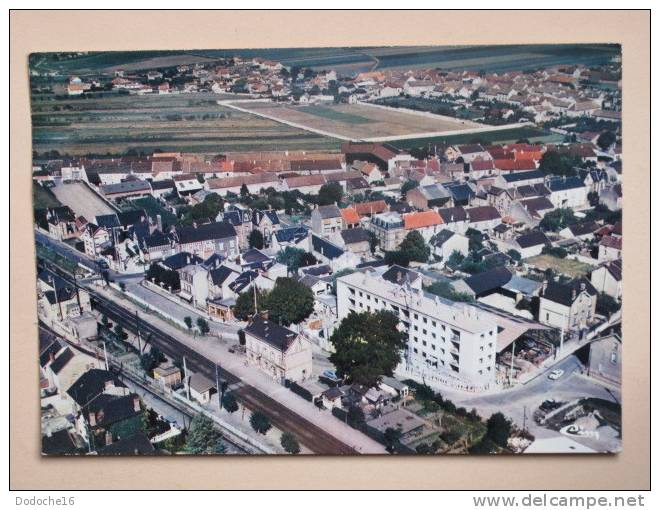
(488, 137)
(572, 268)
(329, 113)
(43, 198)
(184, 122)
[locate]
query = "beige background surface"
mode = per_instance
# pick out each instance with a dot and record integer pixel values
(33, 31)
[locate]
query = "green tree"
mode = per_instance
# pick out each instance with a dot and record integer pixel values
(558, 219)
(244, 190)
(446, 290)
(119, 332)
(295, 258)
(554, 163)
(398, 257)
(455, 259)
(498, 429)
(606, 140)
(244, 307)
(256, 239)
(415, 247)
(205, 211)
(203, 437)
(606, 305)
(391, 438)
(289, 443)
(290, 302)
(514, 254)
(330, 193)
(260, 422)
(203, 326)
(188, 322)
(367, 346)
(408, 185)
(229, 403)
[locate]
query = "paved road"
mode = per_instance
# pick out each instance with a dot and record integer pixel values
(512, 403)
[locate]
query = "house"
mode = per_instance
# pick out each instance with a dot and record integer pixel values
(297, 237)
(406, 422)
(530, 244)
(168, 375)
(326, 219)
(369, 171)
(567, 306)
(462, 193)
(265, 221)
(609, 248)
(207, 239)
(332, 397)
(605, 359)
(333, 255)
(369, 208)
(445, 243)
(394, 387)
(383, 155)
(530, 211)
(350, 218)
(277, 351)
(515, 179)
(253, 182)
(356, 240)
(61, 222)
(608, 278)
(483, 218)
(57, 299)
(201, 388)
(186, 185)
(485, 283)
(582, 231)
(455, 219)
(427, 197)
(194, 285)
(568, 192)
(126, 189)
(467, 153)
(317, 285)
(611, 197)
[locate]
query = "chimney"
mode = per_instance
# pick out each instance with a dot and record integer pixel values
(136, 404)
(573, 295)
(583, 287)
(92, 419)
(109, 384)
(51, 356)
(544, 287)
(108, 437)
(159, 222)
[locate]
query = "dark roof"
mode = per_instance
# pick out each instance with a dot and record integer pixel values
(164, 184)
(129, 218)
(235, 217)
(483, 213)
(564, 183)
(523, 176)
(319, 270)
(532, 190)
(615, 269)
(214, 260)
(355, 235)
(400, 275)
(125, 187)
(206, 232)
(258, 215)
(253, 255)
(220, 274)
(459, 190)
(111, 409)
(108, 221)
(273, 334)
(181, 260)
(401, 207)
(243, 280)
(137, 444)
(488, 281)
(533, 238)
(326, 248)
(157, 238)
(441, 237)
(329, 211)
(580, 229)
(452, 214)
(91, 384)
(537, 204)
(290, 234)
(562, 293)
(62, 360)
(50, 350)
(58, 443)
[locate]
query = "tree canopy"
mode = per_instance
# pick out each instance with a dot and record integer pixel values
(558, 219)
(367, 346)
(256, 239)
(295, 258)
(203, 437)
(415, 247)
(498, 429)
(260, 422)
(330, 193)
(606, 140)
(205, 211)
(289, 443)
(554, 163)
(289, 302)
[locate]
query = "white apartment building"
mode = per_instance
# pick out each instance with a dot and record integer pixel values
(445, 339)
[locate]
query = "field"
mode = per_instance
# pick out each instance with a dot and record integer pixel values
(184, 122)
(572, 268)
(43, 198)
(357, 121)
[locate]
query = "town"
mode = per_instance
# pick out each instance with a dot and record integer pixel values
(432, 265)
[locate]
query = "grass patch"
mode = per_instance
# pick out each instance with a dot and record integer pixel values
(329, 113)
(572, 268)
(488, 137)
(43, 198)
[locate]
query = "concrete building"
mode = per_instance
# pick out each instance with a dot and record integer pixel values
(449, 339)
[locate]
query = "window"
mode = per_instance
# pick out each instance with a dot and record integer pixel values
(613, 357)
(424, 343)
(424, 319)
(433, 347)
(424, 332)
(415, 350)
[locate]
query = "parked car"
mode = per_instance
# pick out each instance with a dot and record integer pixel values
(330, 376)
(555, 374)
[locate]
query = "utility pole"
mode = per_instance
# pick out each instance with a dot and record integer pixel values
(105, 355)
(513, 355)
(185, 377)
(137, 324)
(525, 418)
(217, 386)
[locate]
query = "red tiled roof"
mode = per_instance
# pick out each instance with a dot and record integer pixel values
(350, 215)
(612, 242)
(374, 207)
(421, 219)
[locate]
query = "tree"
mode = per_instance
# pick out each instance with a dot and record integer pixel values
(391, 437)
(455, 259)
(606, 305)
(558, 219)
(188, 322)
(367, 346)
(330, 193)
(445, 289)
(256, 239)
(290, 301)
(498, 429)
(203, 326)
(260, 422)
(122, 286)
(119, 332)
(244, 307)
(244, 190)
(289, 443)
(373, 242)
(295, 258)
(398, 257)
(514, 254)
(415, 247)
(229, 403)
(205, 211)
(203, 437)
(408, 185)
(554, 163)
(606, 140)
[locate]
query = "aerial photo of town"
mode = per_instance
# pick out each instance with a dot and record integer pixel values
(330, 251)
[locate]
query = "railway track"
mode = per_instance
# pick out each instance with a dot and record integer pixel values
(313, 437)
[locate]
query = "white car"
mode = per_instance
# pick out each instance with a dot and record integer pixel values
(555, 374)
